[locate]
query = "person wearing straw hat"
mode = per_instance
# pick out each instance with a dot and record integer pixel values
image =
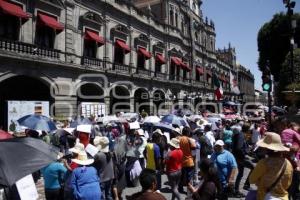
(273, 174)
(105, 166)
(173, 166)
(85, 180)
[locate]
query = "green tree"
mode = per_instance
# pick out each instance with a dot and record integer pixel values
(285, 81)
(274, 42)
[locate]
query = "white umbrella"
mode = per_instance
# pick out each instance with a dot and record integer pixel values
(152, 119)
(109, 119)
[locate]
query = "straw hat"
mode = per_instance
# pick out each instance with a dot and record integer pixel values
(77, 148)
(272, 141)
(102, 143)
(83, 159)
(140, 132)
(174, 143)
(158, 131)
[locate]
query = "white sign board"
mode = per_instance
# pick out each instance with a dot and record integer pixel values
(27, 189)
(91, 149)
(18, 109)
(89, 109)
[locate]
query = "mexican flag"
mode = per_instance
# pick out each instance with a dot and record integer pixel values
(219, 89)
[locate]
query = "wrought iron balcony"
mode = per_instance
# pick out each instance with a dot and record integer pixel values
(28, 49)
(143, 72)
(160, 75)
(93, 63)
(121, 68)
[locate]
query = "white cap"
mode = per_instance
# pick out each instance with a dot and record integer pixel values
(219, 143)
(84, 128)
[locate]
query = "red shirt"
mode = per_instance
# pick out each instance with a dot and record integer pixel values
(174, 160)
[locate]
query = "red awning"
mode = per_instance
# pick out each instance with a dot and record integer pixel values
(144, 52)
(13, 9)
(92, 35)
(159, 57)
(176, 61)
(185, 66)
(51, 22)
(121, 44)
(200, 70)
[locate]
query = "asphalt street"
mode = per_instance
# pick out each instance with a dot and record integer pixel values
(129, 191)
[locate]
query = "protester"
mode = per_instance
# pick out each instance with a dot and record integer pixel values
(153, 157)
(239, 151)
(227, 136)
(173, 166)
(210, 185)
(54, 175)
(105, 166)
(148, 183)
(186, 145)
(227, 168)
(273, 174)
(85, 180)
(141, 144)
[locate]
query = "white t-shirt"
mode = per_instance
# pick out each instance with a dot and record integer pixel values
(210, 136)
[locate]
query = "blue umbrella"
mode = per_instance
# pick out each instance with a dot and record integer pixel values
(173, 119)
(37, 122)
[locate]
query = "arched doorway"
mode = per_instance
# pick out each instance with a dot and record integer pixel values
(142, 101)
(159, 100)
(22, 95)
(119, 99)
(90, 100)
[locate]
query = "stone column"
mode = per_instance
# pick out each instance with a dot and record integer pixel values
(107, 105)
(64, 107)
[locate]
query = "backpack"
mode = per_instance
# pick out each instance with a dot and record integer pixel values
(205, 146)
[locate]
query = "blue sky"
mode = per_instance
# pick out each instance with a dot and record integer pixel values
(238, 22)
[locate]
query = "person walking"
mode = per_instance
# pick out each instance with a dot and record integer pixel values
(85, 180)
(153, 158)
(173, 166)
(273, 174)
(54, 175)
(227, 136)
(227, 168)
(239, 150)
(105, 167)
(210, 184)
(188, 165)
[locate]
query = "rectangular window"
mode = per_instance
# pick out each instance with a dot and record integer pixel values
(9, 27)
(45, 37)
(141, 61)
(119, 56)
(172, 71)
(157, 66)
(90, 49)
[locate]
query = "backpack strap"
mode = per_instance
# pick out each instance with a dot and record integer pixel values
(279, 177)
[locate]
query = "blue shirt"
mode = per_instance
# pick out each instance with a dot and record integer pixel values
(227, 136)
(224, 162)
(53, 173)
(86, 183)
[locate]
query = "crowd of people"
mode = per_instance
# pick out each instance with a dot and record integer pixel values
(99, 161)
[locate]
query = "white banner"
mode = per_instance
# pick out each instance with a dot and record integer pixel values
(27, 189)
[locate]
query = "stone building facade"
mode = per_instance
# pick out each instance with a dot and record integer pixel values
(117, 52)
